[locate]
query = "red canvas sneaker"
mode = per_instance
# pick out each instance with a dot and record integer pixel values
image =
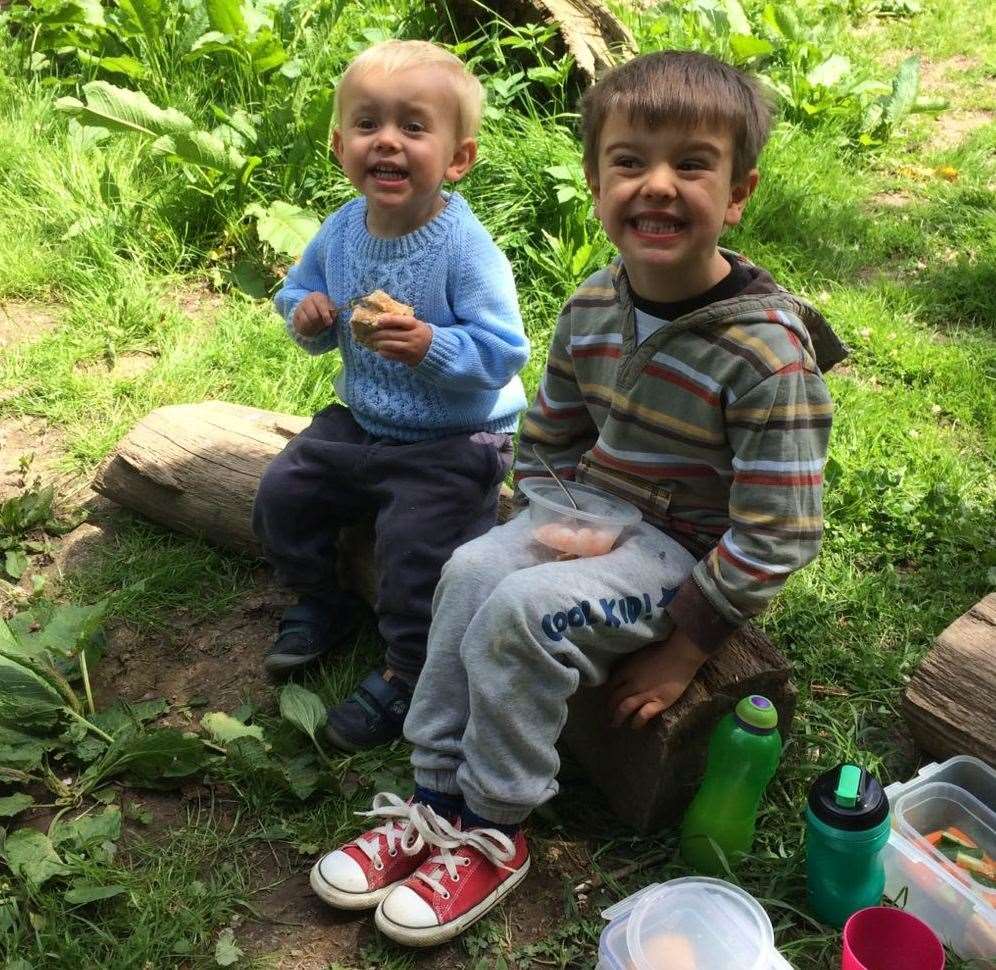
(472, 872)
(364, 871)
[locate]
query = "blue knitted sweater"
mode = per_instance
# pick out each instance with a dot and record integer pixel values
(455, 279)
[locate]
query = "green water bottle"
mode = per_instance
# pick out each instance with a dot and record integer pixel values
(743, 756)
(847, 827)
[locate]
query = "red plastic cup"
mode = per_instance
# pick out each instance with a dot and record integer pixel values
(882, 938)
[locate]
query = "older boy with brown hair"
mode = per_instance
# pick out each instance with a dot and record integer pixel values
(681, 378)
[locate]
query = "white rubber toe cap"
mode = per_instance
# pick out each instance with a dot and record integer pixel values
(343, 872)
(406, 907)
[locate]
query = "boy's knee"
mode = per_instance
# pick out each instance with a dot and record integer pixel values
(472, 559)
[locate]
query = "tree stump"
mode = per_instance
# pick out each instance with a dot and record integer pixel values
(949, 704)
(195, 467)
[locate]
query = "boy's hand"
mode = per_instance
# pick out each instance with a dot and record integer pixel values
(314, 314)
(404, 339)
(652, 679)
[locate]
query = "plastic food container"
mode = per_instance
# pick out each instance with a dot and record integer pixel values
(959, 793)
(689, 924)
(590, 530)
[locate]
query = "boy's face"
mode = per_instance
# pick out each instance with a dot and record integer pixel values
(397, 142)
(664, 196)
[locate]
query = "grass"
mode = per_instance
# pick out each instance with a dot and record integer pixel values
(910, 501)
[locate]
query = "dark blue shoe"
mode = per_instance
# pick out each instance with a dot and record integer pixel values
(372, 715)
(309, 631)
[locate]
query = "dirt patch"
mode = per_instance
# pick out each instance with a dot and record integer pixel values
(197, 300)
(890, 200)
(124, 366)
(24, 322)
(30, 449)
(953, 127)
(190, 660)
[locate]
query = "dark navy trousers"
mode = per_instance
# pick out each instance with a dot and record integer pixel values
(425, 498)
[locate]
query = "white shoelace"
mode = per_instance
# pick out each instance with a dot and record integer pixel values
(495, 846)
(410, 835)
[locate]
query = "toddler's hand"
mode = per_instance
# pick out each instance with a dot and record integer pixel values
(652, 679)
(401, 338)
(314, 314)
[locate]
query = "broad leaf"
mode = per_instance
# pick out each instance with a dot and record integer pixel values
(32, 856)
(82, 832)
(744, 47)
(61, 631)
(226, 17)
(225, 950)
(26, 699)
(828, 73)
(123, 64)
(904, 91)
(302, 709)
(287, 228)
(15, 563)
(739, 24)
(201, 148)
(147, 15)
(15, 804)
(266, 52)
(224, 728)
(21, 751)
(153, 759)
(782, 19)
(83, 892)
(120, 109)
(302, 775)
(213, 42)
(128, 713)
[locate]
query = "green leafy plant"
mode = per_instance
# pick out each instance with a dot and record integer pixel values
(305, 710)
(23, 516)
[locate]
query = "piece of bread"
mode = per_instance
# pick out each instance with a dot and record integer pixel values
(366, 314)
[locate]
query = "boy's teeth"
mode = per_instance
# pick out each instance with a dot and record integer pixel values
(389, 173)
(656, 226)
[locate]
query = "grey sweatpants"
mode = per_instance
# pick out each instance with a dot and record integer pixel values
(514, 634)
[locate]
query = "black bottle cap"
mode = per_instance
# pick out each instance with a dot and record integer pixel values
(849, 798)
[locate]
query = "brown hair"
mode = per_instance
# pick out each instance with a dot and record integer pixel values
(682, 88)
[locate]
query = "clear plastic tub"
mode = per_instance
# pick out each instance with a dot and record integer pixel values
(959, 793)
(689, 924)
(590, 530)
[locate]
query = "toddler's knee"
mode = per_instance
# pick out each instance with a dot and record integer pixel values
(272, 493)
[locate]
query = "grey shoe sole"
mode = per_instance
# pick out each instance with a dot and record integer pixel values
(282, 663)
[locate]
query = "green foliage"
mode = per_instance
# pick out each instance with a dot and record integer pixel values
(24, 514)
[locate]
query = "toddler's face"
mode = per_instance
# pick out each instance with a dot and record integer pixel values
(398, 142)
(664, 196)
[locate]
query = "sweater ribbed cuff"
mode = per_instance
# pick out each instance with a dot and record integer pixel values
(437, 363)
(696, 617)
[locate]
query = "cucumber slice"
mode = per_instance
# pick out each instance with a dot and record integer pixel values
(984, 880)
(961, 841)
(972, 863)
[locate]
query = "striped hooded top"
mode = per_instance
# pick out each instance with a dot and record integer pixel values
(716, 426)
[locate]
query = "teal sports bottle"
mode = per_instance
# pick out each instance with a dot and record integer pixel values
(744, 751)
(847, 827)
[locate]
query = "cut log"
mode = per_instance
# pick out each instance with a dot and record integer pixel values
(588, 29)
(949, 704)
(195, 468)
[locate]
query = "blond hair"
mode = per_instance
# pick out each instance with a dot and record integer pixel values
(392, 56)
